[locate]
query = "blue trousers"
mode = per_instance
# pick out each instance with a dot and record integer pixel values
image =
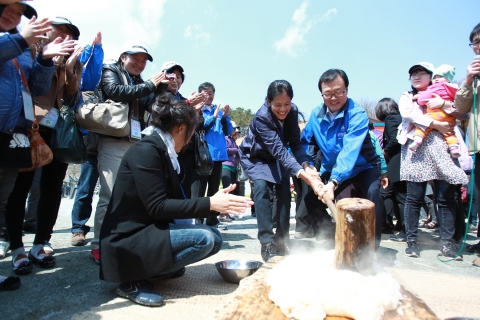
(191, 243)
(82, 207)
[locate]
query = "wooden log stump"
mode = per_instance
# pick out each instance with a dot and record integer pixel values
(355, 235)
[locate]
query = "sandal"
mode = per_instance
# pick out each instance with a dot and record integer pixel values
(42, 260)
(423, 223)
(21, 264)
(432, 225)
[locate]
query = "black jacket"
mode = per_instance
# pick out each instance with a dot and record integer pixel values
(135, 238)
(113, 87)
(391, 147)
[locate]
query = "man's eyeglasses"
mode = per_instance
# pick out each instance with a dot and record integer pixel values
(337, 94)
(476, 44)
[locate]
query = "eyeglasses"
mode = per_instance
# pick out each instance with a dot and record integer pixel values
(476, 44)
(337, 94)
(419, 74)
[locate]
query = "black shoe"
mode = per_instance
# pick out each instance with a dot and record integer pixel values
(177, 274)
(48, 261)
(282, 246)
(10, 284)
(268, 251)
(450, 250)
(140, 292)
(412, 249)
(302, 235)
(472, 248)
(399, 237)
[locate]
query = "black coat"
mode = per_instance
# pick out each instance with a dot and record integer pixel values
(112, 86)
(147, 196)
(391, 147)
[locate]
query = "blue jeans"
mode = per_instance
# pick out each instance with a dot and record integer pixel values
(82, 207)
(445, 197)
(192, 243)
(272, 201)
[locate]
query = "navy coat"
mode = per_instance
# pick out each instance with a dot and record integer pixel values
(264, 151)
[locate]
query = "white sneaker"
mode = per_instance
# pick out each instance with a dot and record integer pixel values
(4, 247)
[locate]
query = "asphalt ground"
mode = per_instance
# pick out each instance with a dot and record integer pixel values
(72, 290)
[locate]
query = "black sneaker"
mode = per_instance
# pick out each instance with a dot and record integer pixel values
(450, 250)
(412, 249)
(399, 237)
(268, 251)
(140, 292)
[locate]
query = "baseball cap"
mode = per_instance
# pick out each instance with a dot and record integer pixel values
(170, 64)
(58, 20)
(29, 11)
(133, 47)
(446, 71)
(425, 65)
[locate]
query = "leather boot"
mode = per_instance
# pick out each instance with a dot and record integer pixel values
(268, 251)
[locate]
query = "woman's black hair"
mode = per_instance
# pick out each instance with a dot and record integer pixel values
(277, 87)
(386, 107)
(168, 112)
(474, 32)
(330, 75)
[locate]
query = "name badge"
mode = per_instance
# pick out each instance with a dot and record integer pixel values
(27, 105)
(135, 129)
(50, 119)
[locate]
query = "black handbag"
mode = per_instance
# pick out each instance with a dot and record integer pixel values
(67, 141)
(241, 174)
(203, 158)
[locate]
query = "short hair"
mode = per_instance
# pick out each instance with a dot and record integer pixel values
(474, 32)
(277, 87)
(205, 86)
(386, 107)
(330, 75)
(169, 112)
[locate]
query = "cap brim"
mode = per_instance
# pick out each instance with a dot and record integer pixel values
(178, 67)
(148, 55)
(73, 29)
(419, 66)
(29, 11)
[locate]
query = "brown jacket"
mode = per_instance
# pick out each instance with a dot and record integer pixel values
(464, 104)
(61, 84)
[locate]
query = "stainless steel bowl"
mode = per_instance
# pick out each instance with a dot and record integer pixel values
(235, 270)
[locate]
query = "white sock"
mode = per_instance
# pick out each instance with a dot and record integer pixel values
(35, 249)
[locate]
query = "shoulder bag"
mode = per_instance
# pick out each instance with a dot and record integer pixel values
(39, 150)
(67, 141)
(203, 158)
(109, 117)
(241, 174)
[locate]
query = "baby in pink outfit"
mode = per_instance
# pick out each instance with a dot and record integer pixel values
(441, 87)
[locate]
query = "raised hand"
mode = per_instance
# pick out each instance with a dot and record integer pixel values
(197, 98)
(70, 64)
(97, 39)
(215, 113)
(59, 47)
(160, 77)
(35, 30)
(225, 110)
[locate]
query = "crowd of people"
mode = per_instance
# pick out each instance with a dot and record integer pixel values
(157, 212)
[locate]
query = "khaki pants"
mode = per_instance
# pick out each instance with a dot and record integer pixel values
(110, 153)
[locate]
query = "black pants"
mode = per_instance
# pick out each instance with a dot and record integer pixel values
(51, 183)
(199, 186)
(303, 222)
(366, 185)
(229, 177)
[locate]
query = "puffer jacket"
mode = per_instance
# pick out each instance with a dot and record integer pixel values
(39, 73)
(113, 87)
(464, 104)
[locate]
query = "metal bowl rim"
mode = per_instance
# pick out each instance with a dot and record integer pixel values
(219, 264)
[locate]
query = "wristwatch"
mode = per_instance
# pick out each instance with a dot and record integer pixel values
(335, 183)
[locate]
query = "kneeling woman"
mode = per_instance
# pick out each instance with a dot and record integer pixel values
(139, 240)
